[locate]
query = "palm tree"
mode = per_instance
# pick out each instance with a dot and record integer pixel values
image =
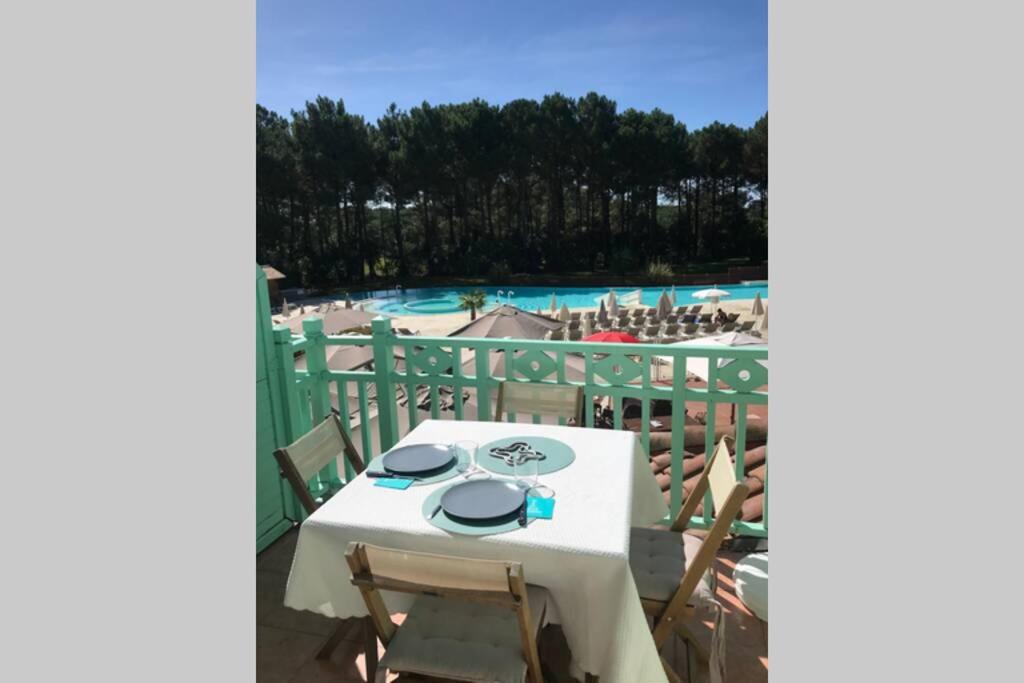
(472, 300)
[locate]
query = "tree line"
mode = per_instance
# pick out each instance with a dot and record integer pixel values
(474, 189)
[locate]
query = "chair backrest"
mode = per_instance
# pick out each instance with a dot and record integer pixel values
(484, 581)
(652, 330)
(575, 315)
(733, 317)
(300, 460)
(555, 400)
(633, 331)
(575, 334)
(689, 318)
(557, 335)
(574, 324)
(728, 327)
(691, 328)
(681, 310)
(746, 325)
(710, 328)
(696, 309)
(671, 328)
(671, 319)
(705, 317)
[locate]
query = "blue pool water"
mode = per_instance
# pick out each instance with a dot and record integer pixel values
(431, 300)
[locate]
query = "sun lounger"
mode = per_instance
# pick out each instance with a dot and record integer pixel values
(690, 329)
(690, 318)
(705, 318)
(575, 315)
(681, 310)
(710, 328)
(557, 335)
(728, 327)
(672, 319)
(672, 329)
(696, 309)
(633, 331)
(575, 335)
(746, 326)
(652, 331)
(574, 324)
(733, 317)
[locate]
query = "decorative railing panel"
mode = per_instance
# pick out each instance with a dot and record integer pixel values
(409, 378)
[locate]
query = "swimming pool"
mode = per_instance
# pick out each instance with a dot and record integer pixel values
(432, 300)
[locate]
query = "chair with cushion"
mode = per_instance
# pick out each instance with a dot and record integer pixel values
(672, 569)
(299, 462)
(554, 400)
(472, 620)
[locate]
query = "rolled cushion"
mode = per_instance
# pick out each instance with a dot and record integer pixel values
(659, 559)
(448, 638)
(751, 578)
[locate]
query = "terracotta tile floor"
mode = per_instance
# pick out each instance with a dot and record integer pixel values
(287, 640)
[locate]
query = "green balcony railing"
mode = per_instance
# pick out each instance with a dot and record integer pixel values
(411, 375)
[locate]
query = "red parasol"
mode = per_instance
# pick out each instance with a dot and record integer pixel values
(620, 337)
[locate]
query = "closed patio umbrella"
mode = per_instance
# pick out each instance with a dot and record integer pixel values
(554, 304)
(563, 313)
(764, 320)
(758, 308)
(348, 302)
(284, 307)
(602, 314)
(673, 295)
(587, 327)
(664, 306)
(613, 305)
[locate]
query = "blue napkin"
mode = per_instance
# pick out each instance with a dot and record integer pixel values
(394, 483)
(540, 508)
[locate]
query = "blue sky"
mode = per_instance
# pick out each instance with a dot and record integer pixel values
(699, 61)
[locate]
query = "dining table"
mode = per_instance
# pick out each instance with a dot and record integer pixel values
(580, 555)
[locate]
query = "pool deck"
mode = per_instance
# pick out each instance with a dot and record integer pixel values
(440, 325)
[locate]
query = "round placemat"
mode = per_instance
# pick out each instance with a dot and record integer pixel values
(443, 521)
(377, 465)
(558, 455)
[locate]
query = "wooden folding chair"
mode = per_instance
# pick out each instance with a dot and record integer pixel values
(473, 620)
(671, 568)
(555, 400)
(299, 461)
(305, 457)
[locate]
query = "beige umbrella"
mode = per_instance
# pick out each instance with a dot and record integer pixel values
(588, 327)
(335, 321)
(563, 314)
(348, 302)
(664, 306)
(758, 308)
(508, 321)
(673, 295)
(554, 304)
(539, 312)
(764, 320)
(602, 313)
(713, 295)
(613, 305)
(284, 307)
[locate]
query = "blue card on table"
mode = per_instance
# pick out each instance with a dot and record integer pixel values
(394, 483)
(540, 508)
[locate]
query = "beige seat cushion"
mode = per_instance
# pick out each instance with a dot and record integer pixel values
(466, 641)
(659, 559)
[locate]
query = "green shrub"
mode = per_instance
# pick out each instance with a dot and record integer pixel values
(659, 271)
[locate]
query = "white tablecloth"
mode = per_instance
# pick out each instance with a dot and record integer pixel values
(581, 555)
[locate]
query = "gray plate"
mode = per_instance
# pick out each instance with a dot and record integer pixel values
(418, 458)
(488, 499)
